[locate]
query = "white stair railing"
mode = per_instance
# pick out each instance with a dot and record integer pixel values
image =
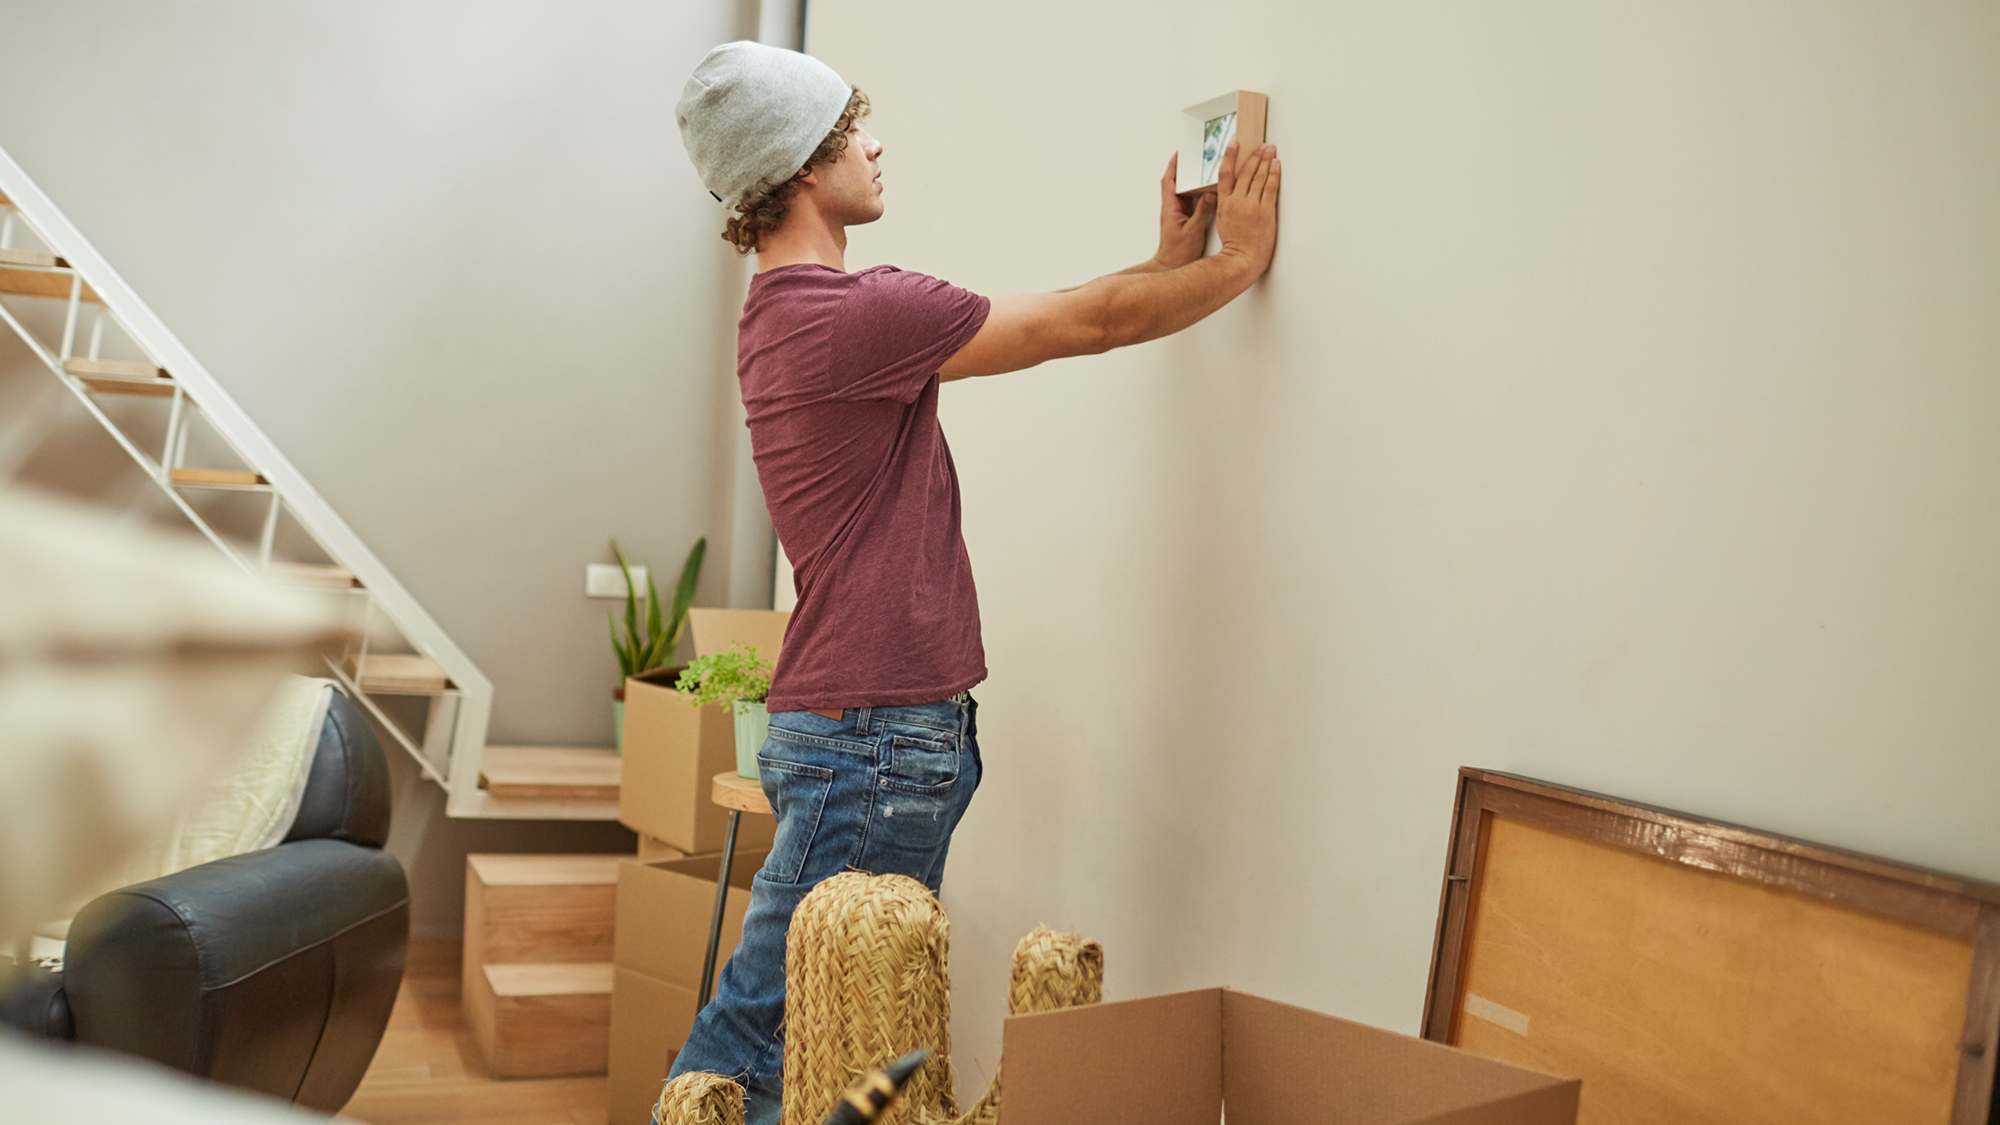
(421, 688)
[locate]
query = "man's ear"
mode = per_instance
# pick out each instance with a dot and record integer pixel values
(807, 176)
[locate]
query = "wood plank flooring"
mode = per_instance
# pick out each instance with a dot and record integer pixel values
(428, 1072)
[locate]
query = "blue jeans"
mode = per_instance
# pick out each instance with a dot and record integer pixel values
(880, 790)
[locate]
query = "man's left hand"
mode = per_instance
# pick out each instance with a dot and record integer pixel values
(1183, 222)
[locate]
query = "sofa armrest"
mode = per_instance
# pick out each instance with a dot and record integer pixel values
(274, 971)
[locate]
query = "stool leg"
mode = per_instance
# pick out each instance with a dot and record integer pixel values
(715, 919)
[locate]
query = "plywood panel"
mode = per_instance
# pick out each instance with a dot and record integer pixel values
(1683, 997)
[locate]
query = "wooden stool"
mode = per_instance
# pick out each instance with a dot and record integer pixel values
(739, 795)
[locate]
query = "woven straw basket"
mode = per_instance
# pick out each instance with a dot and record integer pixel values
(866, 980)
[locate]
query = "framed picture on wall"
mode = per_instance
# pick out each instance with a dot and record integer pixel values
(1206, 131)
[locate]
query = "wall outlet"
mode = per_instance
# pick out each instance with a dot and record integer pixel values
(606, 580)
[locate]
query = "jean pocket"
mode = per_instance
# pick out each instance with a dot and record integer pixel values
(798, 799)
(920, 765)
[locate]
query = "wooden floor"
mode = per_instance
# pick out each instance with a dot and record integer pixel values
(428, 1072)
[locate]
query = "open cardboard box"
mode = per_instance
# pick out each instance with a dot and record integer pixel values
(1187, 1057)
(660, 936)
(673, 751)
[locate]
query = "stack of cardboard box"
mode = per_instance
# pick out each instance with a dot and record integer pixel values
(665, 897)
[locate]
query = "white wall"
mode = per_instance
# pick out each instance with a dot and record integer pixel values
(1620, 410)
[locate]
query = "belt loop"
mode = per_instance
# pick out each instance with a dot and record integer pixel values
(861, 719)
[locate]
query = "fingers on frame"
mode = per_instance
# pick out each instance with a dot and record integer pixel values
(1248, 166)
(1260, 173)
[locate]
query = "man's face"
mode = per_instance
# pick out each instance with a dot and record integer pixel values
(851, 187)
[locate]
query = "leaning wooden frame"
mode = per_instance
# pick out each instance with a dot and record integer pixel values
(1691, 970)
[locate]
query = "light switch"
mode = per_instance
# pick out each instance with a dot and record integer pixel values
(606, 580)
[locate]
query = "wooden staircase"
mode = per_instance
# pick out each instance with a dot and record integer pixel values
(554, 782)
(537, 972)
(122, 366)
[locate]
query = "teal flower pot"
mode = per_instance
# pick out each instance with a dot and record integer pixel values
(618, 723)
(753, 722)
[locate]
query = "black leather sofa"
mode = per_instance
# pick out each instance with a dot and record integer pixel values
(273, 971)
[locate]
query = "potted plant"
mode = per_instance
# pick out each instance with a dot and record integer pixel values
(741, 679)
(649, 644)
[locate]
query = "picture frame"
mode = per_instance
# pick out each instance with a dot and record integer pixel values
(1207, 129)
(1672, 961)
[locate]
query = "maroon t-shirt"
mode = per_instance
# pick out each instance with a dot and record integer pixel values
(839, 375)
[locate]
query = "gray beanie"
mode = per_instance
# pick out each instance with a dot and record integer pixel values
(752, 115)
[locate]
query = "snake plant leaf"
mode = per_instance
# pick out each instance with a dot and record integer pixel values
(655, 628)
(618, 646)
(631, 598)
(684, 590)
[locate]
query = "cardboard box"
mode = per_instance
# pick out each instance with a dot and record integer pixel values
(649, 1021)
(661, 928)
(716, 629)
(661, 935)
(673, 751)
(1181, 1059)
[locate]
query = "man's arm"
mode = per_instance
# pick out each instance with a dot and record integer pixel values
(1156, 298)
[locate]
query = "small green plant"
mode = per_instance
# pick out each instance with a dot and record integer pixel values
(724, 677)
(649, 644)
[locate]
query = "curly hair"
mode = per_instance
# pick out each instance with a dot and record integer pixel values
(760, 214)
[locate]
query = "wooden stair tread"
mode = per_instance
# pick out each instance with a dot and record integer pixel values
(15, 256)
(330, 575)
(500, 869)
(401, 674)
(549, 978)
(536, 1018)
(39, 283)
(115, 368)
(147, 388)
(216, 476)
(581, 773)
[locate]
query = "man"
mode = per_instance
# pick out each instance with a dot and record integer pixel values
(872, 756)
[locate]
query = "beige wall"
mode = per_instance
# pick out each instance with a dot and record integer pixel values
(450, 257)
(1621, 410)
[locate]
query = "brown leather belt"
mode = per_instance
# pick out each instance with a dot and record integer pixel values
(834, 714)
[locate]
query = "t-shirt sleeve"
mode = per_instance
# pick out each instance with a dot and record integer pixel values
(895, 329)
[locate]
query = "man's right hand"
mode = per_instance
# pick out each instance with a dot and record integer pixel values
(1246, 215)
